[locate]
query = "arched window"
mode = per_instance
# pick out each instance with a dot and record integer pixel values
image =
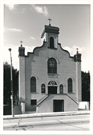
(51, 42)
(43, 88)
(61, 88)
(52, 65)
(70, 87)
(33, 84)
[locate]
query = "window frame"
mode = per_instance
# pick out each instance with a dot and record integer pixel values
(61, 86)
(33, 84)
(52, 66)
(51, 42)
(70, 85)
(43, 87)
(33, 101)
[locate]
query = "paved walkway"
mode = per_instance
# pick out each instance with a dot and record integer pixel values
(46, 114)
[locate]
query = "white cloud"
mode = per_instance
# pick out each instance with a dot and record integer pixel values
(67, 48)
(12, 29)
(42, 10)
(85, 64)
(32, 38)
(73, 50)
(11, 6)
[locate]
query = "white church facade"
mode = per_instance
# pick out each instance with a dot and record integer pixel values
(49, 78)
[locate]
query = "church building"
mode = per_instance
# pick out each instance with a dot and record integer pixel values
(49, 78)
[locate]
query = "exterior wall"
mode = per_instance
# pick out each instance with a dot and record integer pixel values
(79, 83)
(36, 65)
(47, 105)
(27, 82)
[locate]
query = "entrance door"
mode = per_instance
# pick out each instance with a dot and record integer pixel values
(52, 89)
(58, 105)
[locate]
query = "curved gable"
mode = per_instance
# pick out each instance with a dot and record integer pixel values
(65, 51)
(36, 50)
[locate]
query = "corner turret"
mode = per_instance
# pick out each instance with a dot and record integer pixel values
(50, 35)
(77, 57)
(21, 50)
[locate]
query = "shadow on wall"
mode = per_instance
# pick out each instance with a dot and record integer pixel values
(16, 108)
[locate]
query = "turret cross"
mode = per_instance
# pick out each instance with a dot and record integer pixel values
(49, 21)
(21, 43)
(77, 50)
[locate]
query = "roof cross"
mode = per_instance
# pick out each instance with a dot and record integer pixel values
(77, 50)
(49, 21)
(21, 43)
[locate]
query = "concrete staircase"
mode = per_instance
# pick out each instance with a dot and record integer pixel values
(42, 99)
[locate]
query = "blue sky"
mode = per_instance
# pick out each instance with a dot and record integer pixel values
(26, 22)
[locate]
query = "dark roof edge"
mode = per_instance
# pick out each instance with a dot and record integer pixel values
(28, 53)
(50, 29)
(65, 51)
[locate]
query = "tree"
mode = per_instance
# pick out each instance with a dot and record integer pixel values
(7, 83)
(85, 86)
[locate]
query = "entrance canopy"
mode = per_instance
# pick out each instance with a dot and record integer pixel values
(52, 83)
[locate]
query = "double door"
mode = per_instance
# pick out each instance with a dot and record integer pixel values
(52, 89)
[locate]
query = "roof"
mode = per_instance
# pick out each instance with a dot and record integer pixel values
(50, 29)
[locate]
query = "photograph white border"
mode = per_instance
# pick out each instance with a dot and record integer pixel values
(2, 2)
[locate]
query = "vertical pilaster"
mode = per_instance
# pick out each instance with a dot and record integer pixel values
(77, 81)
(77, 59)
(22, 81)
(80, 84)
(22, 78)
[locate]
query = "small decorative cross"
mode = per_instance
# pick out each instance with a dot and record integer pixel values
(49, 21)
(21, 43)
(77, 50)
